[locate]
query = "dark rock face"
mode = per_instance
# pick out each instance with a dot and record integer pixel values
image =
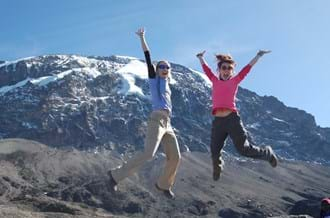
(227, 212)
(306, 207)
(64, 100)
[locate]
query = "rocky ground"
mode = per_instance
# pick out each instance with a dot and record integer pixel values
(39, 181)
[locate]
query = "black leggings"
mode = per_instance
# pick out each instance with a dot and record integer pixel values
(232, 125)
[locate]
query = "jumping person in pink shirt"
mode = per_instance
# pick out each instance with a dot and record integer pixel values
(226, 117)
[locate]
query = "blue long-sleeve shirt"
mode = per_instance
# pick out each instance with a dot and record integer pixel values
(159, 88)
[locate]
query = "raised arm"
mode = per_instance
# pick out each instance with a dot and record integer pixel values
(151, 69)
(242, 74)
(259, 55)
(207, 70)
(200, 57)
(141, 34)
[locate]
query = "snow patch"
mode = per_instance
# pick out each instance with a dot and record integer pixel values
(29, 125)
(45, 80)
(7, 63)
(283, 143)
(288, 134)
(172, 80)
(186, 148)
(6, 89)
(254, 125)
(202, 75)
(102, 98)
(82, 60)
(134, 69)
(279, 120)
(126, 57)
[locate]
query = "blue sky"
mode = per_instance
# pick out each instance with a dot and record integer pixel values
(297, 31)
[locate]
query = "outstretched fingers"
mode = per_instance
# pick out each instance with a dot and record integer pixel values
(140, 32)
(200, 54)
(262, 52)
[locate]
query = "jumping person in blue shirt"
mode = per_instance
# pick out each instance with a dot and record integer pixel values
(159, 128)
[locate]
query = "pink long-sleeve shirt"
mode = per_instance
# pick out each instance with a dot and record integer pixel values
(224, 91)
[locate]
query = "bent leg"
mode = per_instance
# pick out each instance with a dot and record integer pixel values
(173, 156)
(155, 132)
(218, 138)
(239, 137)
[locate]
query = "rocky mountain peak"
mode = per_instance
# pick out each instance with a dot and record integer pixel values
(91, 102)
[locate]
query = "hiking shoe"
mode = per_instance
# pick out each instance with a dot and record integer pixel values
(272, 156)
(168, 193)
(112, 184)
(217, 168)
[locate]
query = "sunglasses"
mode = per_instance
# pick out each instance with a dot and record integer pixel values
(223, 67)
(163, 67)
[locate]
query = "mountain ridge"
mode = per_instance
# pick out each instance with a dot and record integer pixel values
(86, 102)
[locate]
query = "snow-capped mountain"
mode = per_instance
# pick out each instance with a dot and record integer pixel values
(103, 102)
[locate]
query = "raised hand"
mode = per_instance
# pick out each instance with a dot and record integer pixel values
(200, 54)
(140, 32)
(259, 55)
(262, 52)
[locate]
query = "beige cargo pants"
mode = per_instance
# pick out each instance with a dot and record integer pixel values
(159, 131)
